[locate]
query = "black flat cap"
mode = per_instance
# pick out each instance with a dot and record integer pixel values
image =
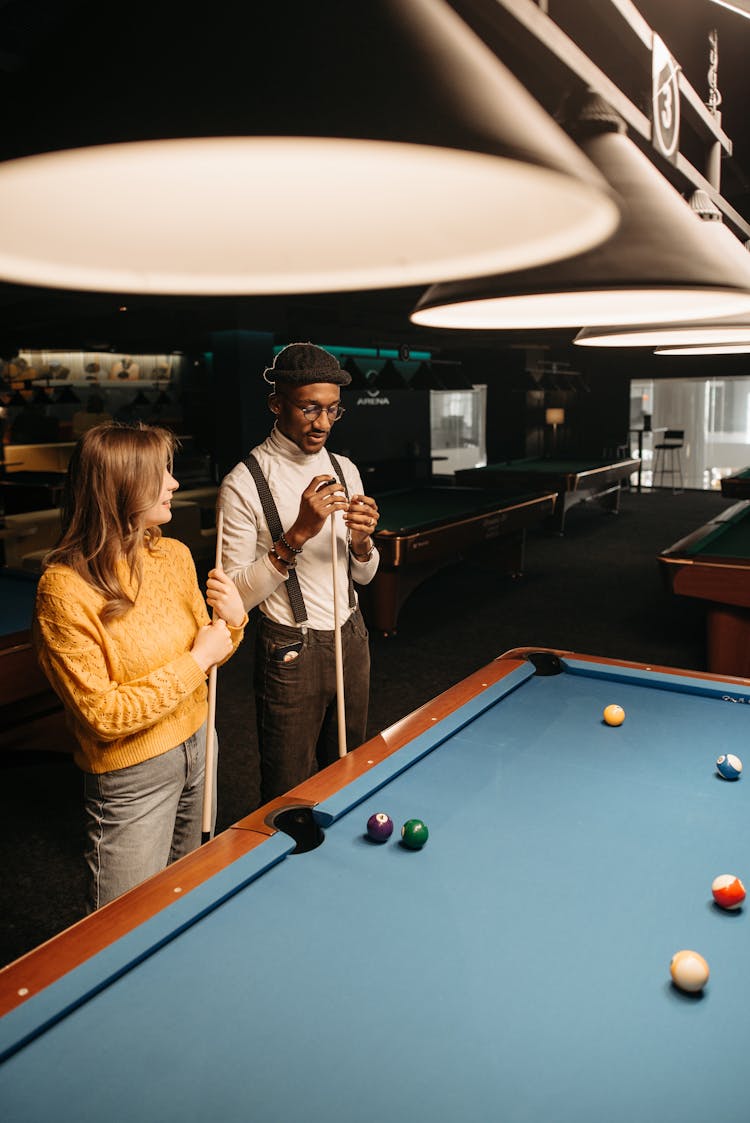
(300, 364)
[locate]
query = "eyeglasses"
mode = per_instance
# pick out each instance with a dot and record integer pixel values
(312, 413)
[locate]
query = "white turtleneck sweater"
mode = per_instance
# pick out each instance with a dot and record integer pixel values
(247, 538)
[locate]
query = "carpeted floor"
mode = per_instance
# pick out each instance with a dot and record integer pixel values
(596, 591)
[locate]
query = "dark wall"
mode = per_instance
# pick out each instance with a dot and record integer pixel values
(523, 383)
(598, 414)
(502, 371)
(387, 431)
(384, 424)
(239, 398)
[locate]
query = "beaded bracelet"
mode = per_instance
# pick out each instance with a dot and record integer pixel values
(359, 557)
(291, 549)
(284, 561)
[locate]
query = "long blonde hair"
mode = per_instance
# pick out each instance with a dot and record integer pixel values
(114, 477)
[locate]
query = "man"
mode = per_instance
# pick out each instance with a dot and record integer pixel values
(277, 548)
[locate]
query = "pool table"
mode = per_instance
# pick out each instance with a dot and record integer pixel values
(422, 529)
(736, 486)
(573, 481)
(31, 716)
(515, 968)
(31, 491)
(713, 564)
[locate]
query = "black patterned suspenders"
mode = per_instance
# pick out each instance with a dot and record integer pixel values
(296, 600)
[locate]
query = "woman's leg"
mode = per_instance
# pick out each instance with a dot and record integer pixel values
(130, 821)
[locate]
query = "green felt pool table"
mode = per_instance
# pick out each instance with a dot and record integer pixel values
(573, 481)
(422, 529)
(713, 565)
(515, 968)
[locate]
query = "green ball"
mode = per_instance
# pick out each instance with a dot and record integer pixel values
(414, 834)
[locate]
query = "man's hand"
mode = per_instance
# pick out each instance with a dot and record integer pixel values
(362, 519)
(319, 500)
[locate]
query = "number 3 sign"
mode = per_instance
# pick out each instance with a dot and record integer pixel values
(665, 101)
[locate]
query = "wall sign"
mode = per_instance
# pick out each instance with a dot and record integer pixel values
(665, 101)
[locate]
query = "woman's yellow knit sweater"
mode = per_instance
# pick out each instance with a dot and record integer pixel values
(131, 689)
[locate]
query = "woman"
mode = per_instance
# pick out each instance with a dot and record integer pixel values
(123, 634)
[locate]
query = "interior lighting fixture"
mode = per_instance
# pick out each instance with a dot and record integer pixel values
(283, 147)
(707, 349)
(731, 329)
(727, 330)
(554, 417)
(658, 264)
(739, 7)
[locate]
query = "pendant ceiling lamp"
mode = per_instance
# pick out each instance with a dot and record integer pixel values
(658, 264)
(727, 330)
(707, 349)
(701, 332)
(739, 7)
(281, 147)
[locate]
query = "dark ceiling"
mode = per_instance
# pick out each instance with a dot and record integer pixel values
(35, 36)
(685, 27)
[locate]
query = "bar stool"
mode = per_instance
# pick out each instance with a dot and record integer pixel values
(667, 459)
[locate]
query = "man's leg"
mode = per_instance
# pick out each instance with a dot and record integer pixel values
(290, 706)
(355, 650)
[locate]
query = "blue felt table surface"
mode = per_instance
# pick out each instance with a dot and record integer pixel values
(515, 969)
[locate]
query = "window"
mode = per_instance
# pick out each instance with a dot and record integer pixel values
(458, 424)
(728, 409)
(715, 415)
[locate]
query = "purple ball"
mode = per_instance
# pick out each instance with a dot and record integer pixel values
(379, 827)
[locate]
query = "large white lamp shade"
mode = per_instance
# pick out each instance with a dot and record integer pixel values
(281, 147)
(658, 264)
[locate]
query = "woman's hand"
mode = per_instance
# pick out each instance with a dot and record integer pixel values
(223, 596)
(213, 643)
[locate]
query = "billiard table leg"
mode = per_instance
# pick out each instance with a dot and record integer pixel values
(556, 521)
(610, 499)
(728, 640)
(381, 601)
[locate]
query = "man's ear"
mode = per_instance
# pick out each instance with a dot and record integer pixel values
(273, 403)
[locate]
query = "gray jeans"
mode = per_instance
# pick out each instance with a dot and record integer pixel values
(295, 695)
(141, 818)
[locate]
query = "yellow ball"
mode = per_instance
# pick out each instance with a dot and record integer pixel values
(614, 715)
(689, 970)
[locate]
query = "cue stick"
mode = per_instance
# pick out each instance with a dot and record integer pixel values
(208, 778)
(340, 709)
